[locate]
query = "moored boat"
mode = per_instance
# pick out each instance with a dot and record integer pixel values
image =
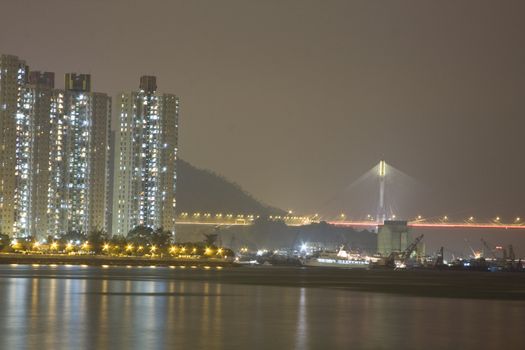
(340, 259)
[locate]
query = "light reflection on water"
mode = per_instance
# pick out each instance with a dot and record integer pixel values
(66, 311)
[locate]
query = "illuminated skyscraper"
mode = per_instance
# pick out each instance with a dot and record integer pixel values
(145, 159)
(14, 132)
(42, 109)
(54, 153)
(87, 117)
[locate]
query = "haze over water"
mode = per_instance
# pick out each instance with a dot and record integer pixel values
(142, 308)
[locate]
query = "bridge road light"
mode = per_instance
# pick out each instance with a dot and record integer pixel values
(342, 216)
(518, 219)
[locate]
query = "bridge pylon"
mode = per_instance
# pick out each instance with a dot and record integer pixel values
(381, 210)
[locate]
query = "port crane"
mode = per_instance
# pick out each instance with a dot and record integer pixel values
(486, 245)
(403, 256)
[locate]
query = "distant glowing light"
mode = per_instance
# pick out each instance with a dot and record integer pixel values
(382, 168)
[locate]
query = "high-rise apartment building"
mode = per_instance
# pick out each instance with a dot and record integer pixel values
(54, 153)
(145, 159)
(86, 149)
(14, 129)
(42, 101)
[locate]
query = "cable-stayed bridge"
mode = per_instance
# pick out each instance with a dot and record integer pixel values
(220, 219)
(381, 176)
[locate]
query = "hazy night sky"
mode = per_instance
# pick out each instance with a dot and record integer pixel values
(294, 100)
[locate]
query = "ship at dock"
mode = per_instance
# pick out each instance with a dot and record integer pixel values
(338, 259)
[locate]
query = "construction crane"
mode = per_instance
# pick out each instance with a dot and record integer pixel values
(474, 254)
(404, 255)
(486, 245)
(411, 248)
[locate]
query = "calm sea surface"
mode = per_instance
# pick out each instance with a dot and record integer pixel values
(73, 307)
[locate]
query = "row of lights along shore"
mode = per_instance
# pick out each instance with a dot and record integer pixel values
(316, 217)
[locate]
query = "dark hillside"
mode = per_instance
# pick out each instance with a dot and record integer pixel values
(200, 190)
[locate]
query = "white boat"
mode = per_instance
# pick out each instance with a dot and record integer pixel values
(340, 259)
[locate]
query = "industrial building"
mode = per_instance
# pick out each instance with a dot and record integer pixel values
(392, 237)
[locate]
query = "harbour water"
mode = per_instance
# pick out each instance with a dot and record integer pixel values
(75, 307)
